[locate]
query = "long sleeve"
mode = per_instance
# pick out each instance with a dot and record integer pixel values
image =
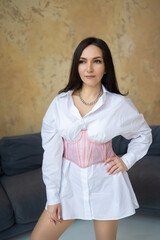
(52, 158)
(135, 128)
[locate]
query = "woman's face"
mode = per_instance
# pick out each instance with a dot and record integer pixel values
(91, 66)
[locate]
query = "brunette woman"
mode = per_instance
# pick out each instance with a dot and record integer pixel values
(84, 178)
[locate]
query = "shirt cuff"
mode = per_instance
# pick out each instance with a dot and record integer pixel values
(129, 159)
(52, 197)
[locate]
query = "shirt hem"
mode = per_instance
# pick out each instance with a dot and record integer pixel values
(109, 218)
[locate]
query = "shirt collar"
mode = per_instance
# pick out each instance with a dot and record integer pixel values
(105, 90)
(69, 93)
(100, 102)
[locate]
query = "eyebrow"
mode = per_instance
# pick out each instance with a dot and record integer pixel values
(93, 58)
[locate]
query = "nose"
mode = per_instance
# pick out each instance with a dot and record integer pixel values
(89, 67)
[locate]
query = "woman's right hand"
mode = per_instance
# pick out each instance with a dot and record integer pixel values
(54, 213)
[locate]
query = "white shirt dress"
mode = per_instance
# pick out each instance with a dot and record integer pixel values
(90, 192)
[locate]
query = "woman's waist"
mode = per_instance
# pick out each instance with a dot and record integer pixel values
(85, 152)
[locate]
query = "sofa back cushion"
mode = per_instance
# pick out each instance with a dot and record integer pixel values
(154, 149)
(120, 144)
(21, 153)
(1, 172)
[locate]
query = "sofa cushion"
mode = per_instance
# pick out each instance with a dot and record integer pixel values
(120, 145)
(6, 212)
(26, 193)
(155, 146)
(21, 153)
(145, 179)
(1, 171)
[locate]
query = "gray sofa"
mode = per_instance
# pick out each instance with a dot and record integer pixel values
(145, 174)
(22, 192)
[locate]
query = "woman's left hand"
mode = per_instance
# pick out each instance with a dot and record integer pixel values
(116, 165)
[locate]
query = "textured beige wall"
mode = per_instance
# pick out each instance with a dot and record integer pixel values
(38, 38)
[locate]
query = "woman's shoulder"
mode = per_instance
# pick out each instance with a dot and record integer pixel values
(115, 99)
(59, 97)
(124, 105)
(55, 105)
(121, 102)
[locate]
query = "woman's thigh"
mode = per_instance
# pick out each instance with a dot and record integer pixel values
(106, 229)
(47, 230)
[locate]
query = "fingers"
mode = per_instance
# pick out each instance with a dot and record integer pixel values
(108, 160)
(113, 166)
(53, 219)
(116, 165)
(54, 213)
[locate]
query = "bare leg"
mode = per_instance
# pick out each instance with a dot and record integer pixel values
(106, 230)
(47, 230)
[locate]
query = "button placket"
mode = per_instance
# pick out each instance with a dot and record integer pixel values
(85, 190)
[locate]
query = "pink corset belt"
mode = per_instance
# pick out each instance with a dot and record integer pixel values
(84, 152)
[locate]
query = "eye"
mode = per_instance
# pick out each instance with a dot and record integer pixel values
(97, 61)
(81, 61)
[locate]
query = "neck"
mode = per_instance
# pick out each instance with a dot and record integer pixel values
(90, 93)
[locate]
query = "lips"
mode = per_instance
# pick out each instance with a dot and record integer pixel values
(90, 76)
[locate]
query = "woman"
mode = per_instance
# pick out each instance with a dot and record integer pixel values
(84, 178)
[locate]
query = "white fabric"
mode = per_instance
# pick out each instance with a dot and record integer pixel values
(90, 193)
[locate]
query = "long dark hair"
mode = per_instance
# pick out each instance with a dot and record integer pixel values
(109, 79)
